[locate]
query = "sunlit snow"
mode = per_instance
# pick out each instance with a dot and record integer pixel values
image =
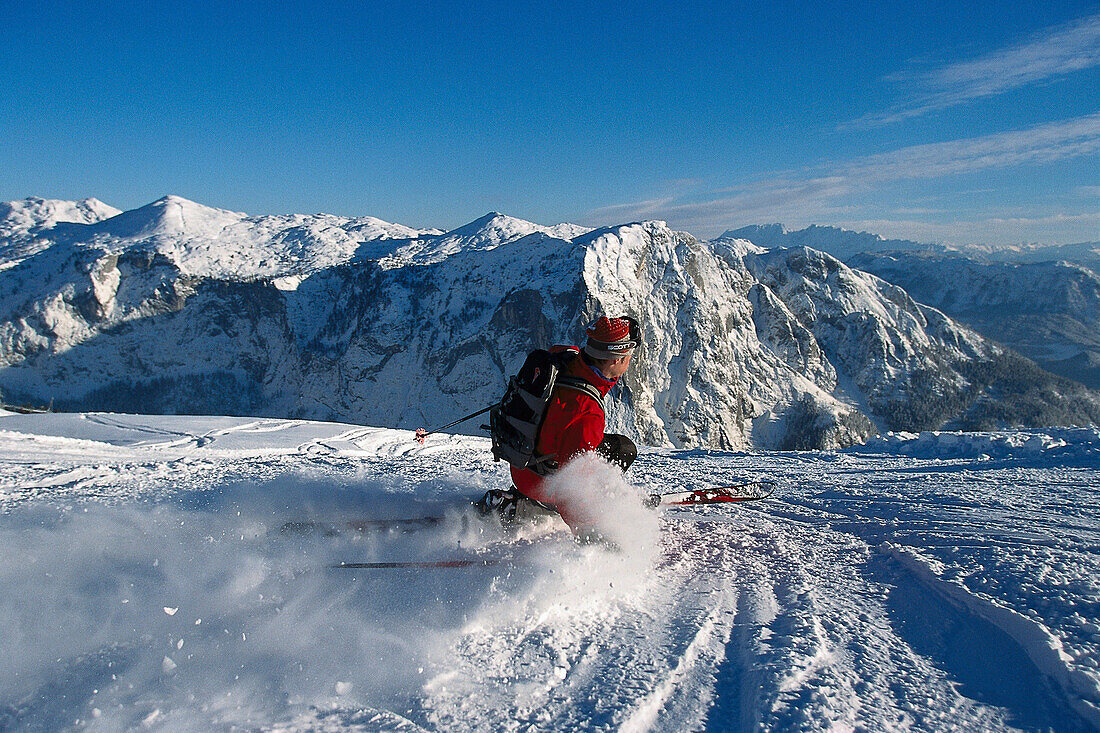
(921, 582)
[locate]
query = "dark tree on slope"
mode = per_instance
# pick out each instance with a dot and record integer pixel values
(809, 426)
(1003, 392)
(219, 393)
(1017, 393)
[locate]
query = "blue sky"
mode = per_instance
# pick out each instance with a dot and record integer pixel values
(972, 122)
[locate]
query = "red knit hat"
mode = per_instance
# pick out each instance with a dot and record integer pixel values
(611, 338)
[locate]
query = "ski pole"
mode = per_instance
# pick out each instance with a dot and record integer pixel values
(421, 433)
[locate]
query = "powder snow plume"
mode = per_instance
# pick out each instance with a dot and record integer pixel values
(604, 500)
(208, 600)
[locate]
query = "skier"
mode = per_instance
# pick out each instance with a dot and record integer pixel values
(574, 424)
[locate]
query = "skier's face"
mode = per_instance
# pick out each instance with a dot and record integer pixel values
(615, 368)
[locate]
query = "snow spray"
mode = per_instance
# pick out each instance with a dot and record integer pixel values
(600, 496)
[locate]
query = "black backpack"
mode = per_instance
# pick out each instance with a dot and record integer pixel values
(515, 422)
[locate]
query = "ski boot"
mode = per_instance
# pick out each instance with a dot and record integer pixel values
(513, 509)
(498, 503)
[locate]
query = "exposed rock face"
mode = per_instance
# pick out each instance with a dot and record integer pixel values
(176, 307)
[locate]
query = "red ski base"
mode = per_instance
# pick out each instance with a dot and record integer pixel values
(748, 491)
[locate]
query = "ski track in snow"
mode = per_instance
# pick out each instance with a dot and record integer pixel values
(941, 583)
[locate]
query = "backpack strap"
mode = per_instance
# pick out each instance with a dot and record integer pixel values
(583, 386)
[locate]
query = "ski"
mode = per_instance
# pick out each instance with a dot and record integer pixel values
(741, 492)
(420, 564)
(746, 491)
(332, 529)
(502, 553)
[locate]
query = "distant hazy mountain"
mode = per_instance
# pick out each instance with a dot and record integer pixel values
(1083, 253)
(1043, 302)
(843, 244)
(1047, 311)
(840, 243)
(178, 307)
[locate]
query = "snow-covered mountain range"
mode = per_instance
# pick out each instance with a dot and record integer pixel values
(178, 307)
(844, 243)
(1042, 302)
(840, 243)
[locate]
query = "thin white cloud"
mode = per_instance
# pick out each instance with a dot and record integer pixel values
(637, 211)
(1041, 144)
(990, 229)
(768, 200)
(1054, 53)
(1042, 221)
(819, 195)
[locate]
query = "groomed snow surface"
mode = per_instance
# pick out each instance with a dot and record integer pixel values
(922, 582)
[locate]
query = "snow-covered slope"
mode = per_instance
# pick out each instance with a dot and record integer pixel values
(205, 242)
(931, 582)
(176, 307)
(22, 221)
(889, 350)
(488, 232)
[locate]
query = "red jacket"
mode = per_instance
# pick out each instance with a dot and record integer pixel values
(574, 424)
